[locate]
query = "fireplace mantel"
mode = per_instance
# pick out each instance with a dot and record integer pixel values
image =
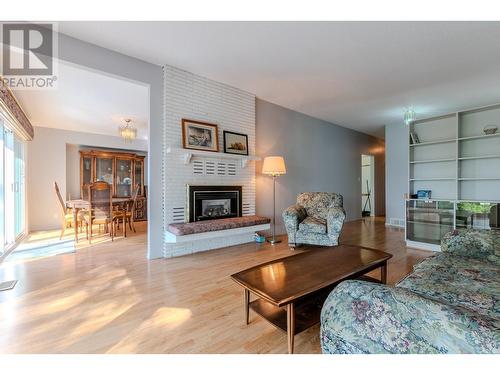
(189, 154)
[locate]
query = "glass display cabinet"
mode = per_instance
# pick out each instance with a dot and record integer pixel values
(104, 169)
(428, 220)
(139, 174)
(123, 178)
(477, 215)
(86, 168)
(121, 170)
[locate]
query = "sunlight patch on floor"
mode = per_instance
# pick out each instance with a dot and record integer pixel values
(163, 320)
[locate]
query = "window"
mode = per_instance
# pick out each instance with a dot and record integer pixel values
(12, 187)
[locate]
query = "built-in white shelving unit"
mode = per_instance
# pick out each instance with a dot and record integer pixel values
(460, 164)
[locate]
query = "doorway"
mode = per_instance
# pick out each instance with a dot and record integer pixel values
(367, 185)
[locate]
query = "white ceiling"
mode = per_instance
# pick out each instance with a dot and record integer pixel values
(359, 75)
(87, 101)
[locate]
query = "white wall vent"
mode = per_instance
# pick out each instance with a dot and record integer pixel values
(178, 214)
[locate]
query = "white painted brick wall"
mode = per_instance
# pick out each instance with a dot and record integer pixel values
(187, 95)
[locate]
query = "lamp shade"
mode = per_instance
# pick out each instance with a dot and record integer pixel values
(274, 166)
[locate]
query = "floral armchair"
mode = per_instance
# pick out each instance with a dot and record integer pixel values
(316, 219)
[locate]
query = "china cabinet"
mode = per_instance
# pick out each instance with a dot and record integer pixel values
(121, 170)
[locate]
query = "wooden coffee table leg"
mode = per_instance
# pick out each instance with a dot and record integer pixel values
(247, 305)
(290, 329)
(383, 273)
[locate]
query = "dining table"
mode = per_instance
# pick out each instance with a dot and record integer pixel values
(81, 204)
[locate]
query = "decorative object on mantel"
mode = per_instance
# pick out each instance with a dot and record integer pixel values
(198, 135)
(409, 116)
(127, 131)
(490, 129)
(9, 104)
(274, 166)
(235, 143)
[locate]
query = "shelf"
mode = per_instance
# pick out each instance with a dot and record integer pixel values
(429, 223)
(431, 200)
(478, 201)
(479, 136)
(479, 157)
(169, 237)
(478, 178)
(431, 161)
(189, 154)
(433, 142)
(430, 210)
(306, 314)
(433, 179)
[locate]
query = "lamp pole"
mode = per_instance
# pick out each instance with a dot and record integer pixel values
(273, 240)
(274, 166)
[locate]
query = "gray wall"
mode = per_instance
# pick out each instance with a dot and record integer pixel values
(396, 155)
(319, 156)
(94, 57)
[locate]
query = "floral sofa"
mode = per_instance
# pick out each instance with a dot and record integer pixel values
(449, 304)
(316, 219)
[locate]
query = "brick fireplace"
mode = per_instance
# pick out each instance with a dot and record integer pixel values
(187, 95)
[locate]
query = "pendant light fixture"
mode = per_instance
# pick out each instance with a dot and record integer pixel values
(409, 116)
(127, 131)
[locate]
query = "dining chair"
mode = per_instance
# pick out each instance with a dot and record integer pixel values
(129, 211)
(100, 209)
(66, 213)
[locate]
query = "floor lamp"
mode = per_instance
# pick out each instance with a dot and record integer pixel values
(274, 166)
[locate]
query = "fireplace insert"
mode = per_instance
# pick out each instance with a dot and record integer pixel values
(213, 202)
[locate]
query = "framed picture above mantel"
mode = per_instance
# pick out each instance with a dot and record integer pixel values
(235, 143)
(199, 135)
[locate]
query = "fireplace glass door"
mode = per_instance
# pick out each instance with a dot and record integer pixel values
(214, 202)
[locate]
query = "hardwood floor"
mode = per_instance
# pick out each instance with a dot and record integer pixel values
(108, 298)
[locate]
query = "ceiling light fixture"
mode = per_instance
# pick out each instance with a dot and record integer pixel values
(127, 131)
(410, 116)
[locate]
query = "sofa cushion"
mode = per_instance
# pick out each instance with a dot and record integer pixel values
(465, 282)
(313, 225)
(362, 317)
(479, 244)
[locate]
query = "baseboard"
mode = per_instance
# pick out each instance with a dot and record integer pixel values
(423, 246)
(395, 222)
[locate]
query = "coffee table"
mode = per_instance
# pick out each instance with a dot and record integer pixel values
(292, 290)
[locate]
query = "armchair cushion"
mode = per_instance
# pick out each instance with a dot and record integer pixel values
(318, 204)
(313, 225)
